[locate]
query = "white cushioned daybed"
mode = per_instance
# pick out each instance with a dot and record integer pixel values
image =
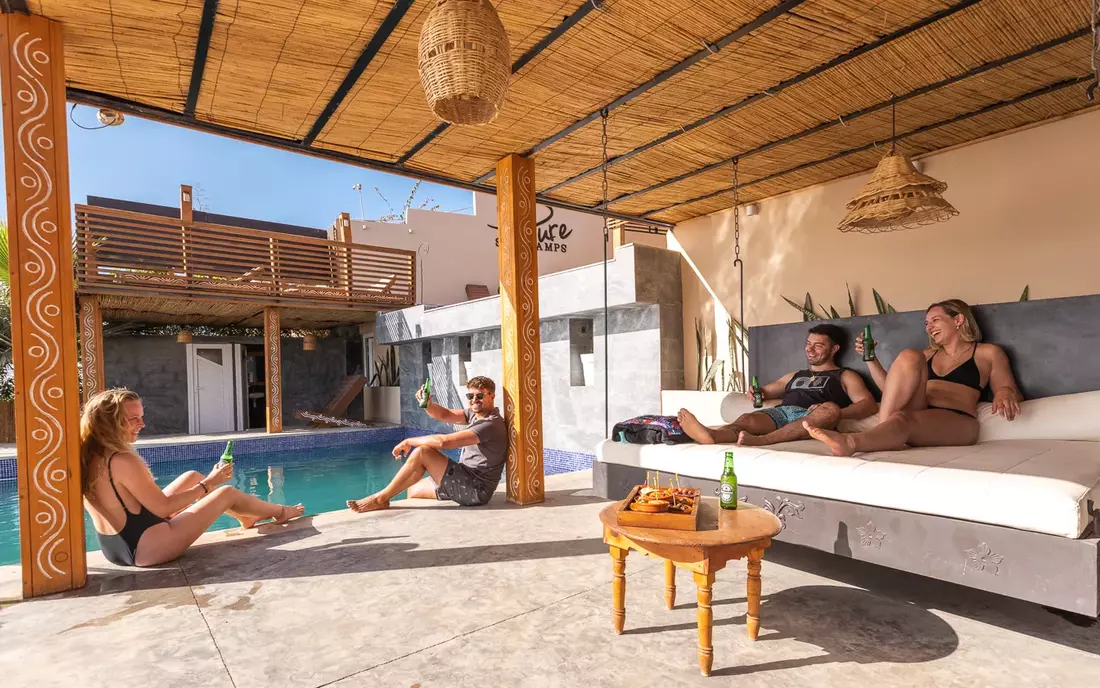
(1014, 514)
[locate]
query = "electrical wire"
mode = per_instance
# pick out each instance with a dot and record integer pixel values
(73, 120)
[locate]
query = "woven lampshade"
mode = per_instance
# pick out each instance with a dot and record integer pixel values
(309, 343)
(897, 197)
(184, 337)
(464, 61)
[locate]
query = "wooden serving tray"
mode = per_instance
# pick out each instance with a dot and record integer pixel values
(671, 521)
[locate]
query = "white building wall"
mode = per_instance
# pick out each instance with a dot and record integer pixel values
(459, 249)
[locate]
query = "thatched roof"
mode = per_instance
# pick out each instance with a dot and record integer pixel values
(798, 89)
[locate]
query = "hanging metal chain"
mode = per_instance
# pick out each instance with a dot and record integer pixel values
(740, 265)
(606, 319)
(603, 164)
(1091, 91)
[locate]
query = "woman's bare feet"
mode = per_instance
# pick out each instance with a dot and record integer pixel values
(744, 439)
(693, 428)
(288, 513)
(839, 443)
(371, 503)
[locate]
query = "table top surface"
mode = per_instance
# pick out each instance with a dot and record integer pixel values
(717, 526)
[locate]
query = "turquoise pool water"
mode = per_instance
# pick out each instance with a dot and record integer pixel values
(321, 479)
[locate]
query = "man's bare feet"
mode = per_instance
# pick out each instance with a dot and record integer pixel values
(693, 428)
(289, 512)
(371, 503)
(746, 440)
(839, 443)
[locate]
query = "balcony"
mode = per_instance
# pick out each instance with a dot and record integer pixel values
(154, 269)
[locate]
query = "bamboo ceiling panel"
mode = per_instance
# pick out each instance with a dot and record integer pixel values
(1059, 103)
(386, 113)
(274, 64)
(610, 53)
(141, 51)
(988, 31)
(968, 95)
(812, 34)
(168, 311)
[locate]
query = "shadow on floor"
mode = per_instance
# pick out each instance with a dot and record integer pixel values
(927, 593)
(848, 624)
(500, 501)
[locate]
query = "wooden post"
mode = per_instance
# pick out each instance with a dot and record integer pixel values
(341, 232)
(91, 346)
(273, 367)
(617, 229)
(43, 317)
(187, 216)
(519, 327)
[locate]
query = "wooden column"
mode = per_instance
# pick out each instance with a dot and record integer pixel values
(273, 365)
(341, 231)
(91, 346)
(47, 397)
(187, 216)
(519, 327)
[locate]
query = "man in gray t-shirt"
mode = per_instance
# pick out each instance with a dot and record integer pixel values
(471, 481)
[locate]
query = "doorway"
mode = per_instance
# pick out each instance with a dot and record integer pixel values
(211, 381)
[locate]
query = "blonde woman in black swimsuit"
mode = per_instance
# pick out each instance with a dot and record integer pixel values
(137, 523)
(930, 397)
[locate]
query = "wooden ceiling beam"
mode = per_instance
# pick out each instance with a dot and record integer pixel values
(202, 48)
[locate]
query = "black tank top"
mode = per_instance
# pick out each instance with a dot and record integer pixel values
(807, 388)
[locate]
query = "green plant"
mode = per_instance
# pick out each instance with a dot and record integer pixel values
(704, 362)
(739, 353)
(808, 312)
(387, 374)
(1026, 295)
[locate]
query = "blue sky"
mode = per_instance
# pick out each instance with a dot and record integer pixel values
(146, 161)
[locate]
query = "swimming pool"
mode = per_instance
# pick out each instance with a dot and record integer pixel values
(321, 479)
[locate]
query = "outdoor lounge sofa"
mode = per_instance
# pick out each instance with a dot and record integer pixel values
(1017, 514)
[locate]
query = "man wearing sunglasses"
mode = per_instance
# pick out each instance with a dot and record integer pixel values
(471, 481)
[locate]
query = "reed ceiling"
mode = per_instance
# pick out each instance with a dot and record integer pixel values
(798, 90)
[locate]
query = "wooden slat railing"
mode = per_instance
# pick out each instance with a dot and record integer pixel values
(118, 251)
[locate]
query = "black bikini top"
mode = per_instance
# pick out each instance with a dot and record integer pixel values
(966, 373)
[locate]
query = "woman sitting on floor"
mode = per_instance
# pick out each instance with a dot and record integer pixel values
(930, 397)
(136, 522)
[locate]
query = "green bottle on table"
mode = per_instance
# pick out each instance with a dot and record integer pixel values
(425, 399)
(227, 455)
(728, 484)
(757, 395)
(868, 344)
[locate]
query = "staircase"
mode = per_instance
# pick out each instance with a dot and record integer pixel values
(345, 395)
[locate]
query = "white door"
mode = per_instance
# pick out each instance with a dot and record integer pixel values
(211, 377)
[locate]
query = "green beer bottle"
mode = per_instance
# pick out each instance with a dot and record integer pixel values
(757, 395)
(427, 393)
(728, 486)
(868, 344)
(227, 455)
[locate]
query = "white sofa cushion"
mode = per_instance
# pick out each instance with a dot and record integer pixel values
(1038, 485)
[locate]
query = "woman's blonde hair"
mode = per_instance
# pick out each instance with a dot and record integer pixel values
(103, 431)
(968, 331)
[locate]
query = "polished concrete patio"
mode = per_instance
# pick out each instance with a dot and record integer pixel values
(432, 595)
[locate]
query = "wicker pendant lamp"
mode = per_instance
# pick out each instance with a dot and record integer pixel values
(897, 197)
(464, 61)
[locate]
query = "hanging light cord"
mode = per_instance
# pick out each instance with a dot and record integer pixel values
(73, 120)
(1090, 93)
(740, 265)
(606, 331)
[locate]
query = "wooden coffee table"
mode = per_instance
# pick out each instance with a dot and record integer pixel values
(723, 535)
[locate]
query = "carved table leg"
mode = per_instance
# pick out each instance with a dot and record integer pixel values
(704, 581)
(670, 584)
(753, 590)
(618, 587)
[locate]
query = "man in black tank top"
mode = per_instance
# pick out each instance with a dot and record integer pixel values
(824, 393)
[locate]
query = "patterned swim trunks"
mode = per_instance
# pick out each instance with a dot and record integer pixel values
(785, 415)
(461, 486)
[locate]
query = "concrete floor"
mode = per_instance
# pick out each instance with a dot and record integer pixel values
(434, 595)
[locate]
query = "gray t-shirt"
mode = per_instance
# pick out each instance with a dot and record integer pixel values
(486, 458)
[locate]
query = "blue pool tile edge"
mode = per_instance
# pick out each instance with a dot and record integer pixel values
(555, 461)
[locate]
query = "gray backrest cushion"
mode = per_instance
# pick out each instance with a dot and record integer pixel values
(1052, 343)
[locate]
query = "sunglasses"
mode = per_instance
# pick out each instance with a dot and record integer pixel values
(470, 396)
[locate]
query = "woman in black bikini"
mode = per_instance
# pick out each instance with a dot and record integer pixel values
(930, 397)
(137, 523)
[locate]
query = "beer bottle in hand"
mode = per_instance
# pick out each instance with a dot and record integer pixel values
(757, 395)
(426, 396)
(868, 344)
